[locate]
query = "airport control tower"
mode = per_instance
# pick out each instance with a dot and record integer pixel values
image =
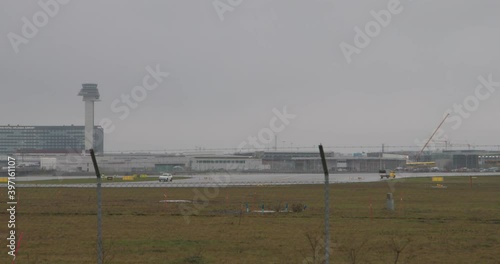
(90, 95)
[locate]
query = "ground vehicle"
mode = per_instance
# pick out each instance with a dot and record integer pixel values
(384, 174)
(165, 177)
(435, 169)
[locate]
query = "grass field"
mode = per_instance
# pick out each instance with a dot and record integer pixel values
(459, 224)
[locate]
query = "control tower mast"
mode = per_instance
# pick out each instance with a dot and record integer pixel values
(90, 95)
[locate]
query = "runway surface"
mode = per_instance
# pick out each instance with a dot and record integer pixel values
(230, 179)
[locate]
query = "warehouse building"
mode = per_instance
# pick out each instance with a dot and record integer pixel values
(306, 162)
(227, 163)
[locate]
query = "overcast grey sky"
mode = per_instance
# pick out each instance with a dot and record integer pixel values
(227, 76)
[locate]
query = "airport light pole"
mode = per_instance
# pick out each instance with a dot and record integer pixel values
(99, 211)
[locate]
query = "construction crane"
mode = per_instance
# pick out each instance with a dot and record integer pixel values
(426, 143)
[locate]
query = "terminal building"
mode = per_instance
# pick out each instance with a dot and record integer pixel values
(47, 139)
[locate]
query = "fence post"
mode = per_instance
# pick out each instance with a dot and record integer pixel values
(327, 205)
(99, 212)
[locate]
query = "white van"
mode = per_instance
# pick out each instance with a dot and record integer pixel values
(165, 177)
